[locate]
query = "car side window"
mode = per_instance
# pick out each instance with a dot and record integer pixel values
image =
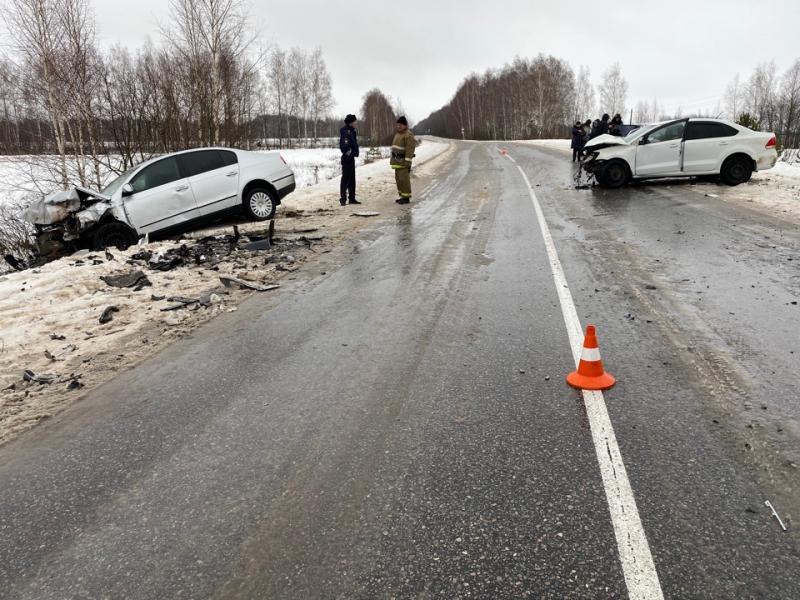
(702, 130)
(228, 158)
(668, 133)
(160, 173)
(202, 161)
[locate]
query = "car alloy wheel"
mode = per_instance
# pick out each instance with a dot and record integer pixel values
(261, 204)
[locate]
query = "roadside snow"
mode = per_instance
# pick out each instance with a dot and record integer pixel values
(555, 144)
(49, 316)
(312, 167)
(788, 164)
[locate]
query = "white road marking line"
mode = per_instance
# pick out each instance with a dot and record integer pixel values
(640, 573)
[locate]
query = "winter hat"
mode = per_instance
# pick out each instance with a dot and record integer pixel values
(350, 119)
(403, 121)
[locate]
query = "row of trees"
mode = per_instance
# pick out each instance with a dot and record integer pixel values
(529, 98)
(542, 97)
(768, 100)
(378, 117)
(204, 84)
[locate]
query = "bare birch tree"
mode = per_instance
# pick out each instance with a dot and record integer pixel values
(39, 38)
(613, 90)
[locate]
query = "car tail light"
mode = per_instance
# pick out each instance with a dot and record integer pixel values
(773, 141)
(283, 159)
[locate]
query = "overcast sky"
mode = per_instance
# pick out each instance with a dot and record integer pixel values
(683, 52)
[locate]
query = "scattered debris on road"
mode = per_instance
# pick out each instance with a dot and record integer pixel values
(106, 317)
(232, 281)
(135, 279)
(768, 504)
(43, 378)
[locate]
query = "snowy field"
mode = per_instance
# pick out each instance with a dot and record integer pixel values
(314, 166)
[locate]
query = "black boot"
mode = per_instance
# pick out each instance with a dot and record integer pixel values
(342, 201)
(403, 200)
(354, 201)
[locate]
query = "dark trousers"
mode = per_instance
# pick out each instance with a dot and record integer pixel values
(348, 184)
(576, 154)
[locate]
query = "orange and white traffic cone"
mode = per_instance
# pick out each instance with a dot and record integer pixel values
(590, 374)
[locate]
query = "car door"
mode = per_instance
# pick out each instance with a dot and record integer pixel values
(214, 177)
(161, 198)
(705, 144)
(659, 152)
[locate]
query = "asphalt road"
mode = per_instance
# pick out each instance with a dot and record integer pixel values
(400, 428)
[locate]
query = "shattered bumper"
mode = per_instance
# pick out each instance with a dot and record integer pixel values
(591, 164)
(65, 216)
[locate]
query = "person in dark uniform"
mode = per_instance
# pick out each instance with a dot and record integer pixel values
(348, 144)
(577, 141)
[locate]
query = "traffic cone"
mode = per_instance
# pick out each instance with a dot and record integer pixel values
(590, 374)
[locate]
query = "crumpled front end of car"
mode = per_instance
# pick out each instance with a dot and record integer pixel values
(63, 218)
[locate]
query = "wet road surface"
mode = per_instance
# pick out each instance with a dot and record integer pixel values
(400, 428)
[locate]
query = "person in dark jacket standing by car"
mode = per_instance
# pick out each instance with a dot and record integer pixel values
(615, 127)
(348, 144)
(602, 127)
(577, 140)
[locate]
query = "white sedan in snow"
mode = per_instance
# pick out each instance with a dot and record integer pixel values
(681, 148)
(164, 195)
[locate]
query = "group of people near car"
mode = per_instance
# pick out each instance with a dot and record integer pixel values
(583, 132)
(403, 146)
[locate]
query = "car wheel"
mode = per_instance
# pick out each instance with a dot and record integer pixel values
(113, 235)
(614, 174)
(736, 170)
(260, 204)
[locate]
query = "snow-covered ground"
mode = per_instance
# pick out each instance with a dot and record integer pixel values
(317, 165)
(49, 316)
(556, 144)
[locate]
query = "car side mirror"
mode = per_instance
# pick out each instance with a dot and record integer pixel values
(643, 141)
(127, 190)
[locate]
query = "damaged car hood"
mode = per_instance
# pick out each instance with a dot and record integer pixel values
(58, 206)
(604, 141)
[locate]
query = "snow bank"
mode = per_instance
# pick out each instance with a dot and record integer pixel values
(788, 164)
(556, 144)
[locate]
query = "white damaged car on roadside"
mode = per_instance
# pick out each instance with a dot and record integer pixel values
(689, 147)
(164, 195)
